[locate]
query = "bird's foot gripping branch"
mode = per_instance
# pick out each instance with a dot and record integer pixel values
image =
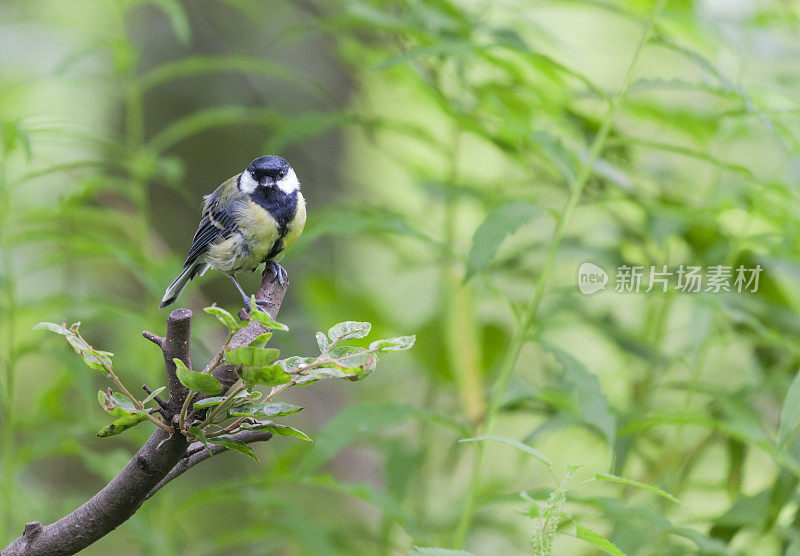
(228, 405)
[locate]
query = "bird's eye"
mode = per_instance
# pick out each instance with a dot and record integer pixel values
(281, 174)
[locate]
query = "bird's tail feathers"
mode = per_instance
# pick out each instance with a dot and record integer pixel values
(176, 287)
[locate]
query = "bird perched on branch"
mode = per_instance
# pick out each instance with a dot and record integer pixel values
(252, 218)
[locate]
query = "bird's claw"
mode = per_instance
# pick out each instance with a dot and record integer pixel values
(262, 303)
(277, 272)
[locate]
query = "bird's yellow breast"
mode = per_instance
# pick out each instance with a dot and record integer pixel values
(258, 233)
(296, 226)
(259, 228)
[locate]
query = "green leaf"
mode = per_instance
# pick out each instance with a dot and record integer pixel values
(352, 363)
(317, 374)
(303, 126)
(224, 317)
(121, 425)
(562, 158)
(97, 352)
(96, 359)
(243, 396)
(600, 475)
(260, 340)
(294, 363)
(13, 136)
(251, 356)
(590, 401)
(534, 510)
(275, 428)
(208, 402)
(790, 412)
(117, 404)
(269, 375)
(80, 345)
(597, 540)
(211, 118)
(53, 327)
(153, 394)
(205, 384)
(490, 235)
(262, 317)
(197, 433)
(322, 342)
(100, 363)
(514, 444)
(177, 18)
(197, 65)
(394, 344)
(270, 409)
(234, 445)
(350, 220)
(351, 358)
(348, 330)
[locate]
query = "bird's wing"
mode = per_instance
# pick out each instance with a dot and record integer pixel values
(218, 222)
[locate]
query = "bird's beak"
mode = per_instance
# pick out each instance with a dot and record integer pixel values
(268, 182)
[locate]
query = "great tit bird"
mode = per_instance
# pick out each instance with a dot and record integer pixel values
(252, 218)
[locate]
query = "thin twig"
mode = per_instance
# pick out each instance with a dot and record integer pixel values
(139, 405)
(184, 409)
(157, 340)
(223, 406)
(197, 453)
(218, 358)
(228, 429)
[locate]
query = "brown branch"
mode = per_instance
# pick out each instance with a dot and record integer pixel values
(161, 459)
(110, 507)
(176, 346)
(272, 294)
(157, 340)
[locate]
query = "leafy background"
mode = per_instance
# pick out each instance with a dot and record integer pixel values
(460, 160)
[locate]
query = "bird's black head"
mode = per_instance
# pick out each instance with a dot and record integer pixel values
(269, 168)
(269, 171)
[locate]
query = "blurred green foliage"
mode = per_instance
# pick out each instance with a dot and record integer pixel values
(460, 160)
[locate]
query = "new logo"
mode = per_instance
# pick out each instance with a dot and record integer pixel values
(591, 278)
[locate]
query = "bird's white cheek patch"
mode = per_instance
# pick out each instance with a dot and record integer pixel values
(247, 183)
(290, 183)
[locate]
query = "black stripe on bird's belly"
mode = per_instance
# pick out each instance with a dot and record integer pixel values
(282, 207)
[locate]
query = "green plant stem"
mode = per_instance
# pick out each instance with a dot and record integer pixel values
(520, 336)
(9, 375)
(229, 429)
(460, 328)
(279, 388)
(136, 402)
(185, 409)
(233, 426)
(426, 444)
(223, 406)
